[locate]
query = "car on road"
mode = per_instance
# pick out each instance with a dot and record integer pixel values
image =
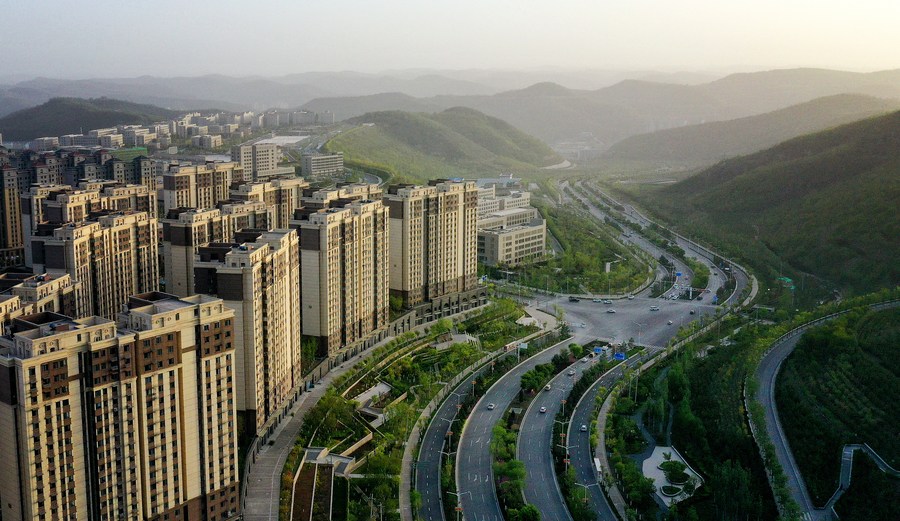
(584, 360)
(584, 428)
(491, 406)
(630, 297)
(607, 301)
(610, 310)
(573, 299)
(543, 410)
(693, 311)
(571, 372)
(583, 324)
(669, 322)
(547, 387)
(597, 300)
(654, 308)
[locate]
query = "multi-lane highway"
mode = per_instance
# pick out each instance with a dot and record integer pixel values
(474, 465)
(580, 449)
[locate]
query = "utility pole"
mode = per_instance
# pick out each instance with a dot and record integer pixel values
(562, 439)
(459, 508)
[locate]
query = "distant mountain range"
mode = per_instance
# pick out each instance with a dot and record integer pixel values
(711, 142)
(458, 142)
(293, 90)
(826, 203)
(61, 116)
(555, 113)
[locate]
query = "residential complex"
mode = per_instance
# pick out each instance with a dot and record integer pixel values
(433, 240)
(260, 280)
(126, 419)
(145, 304)
(344, 263)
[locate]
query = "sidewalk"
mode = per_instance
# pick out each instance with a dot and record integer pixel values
(264, 480)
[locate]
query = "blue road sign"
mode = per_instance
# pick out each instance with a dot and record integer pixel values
(619, 356)
(715, 298)
(677, 273)
(598, 350)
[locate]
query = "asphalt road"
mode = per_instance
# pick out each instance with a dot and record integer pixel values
(428, 466)
(766, 374)
(474, 466)
(581, 453)
(536, 440)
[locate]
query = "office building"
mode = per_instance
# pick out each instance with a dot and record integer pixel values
(108, 421)
(260, 280)
(512, 245)
(317, 166)
(433, 239)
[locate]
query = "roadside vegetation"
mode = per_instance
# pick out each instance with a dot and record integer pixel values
(587, 246)
(840, 386)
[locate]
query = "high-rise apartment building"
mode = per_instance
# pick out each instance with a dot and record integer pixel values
(107, 421)
(12, 249)
(260, 280)
(200, 187)
(283, 195)
(259, 161)
(113, 255)
(344, 263)
(433, 239)
(185, 230)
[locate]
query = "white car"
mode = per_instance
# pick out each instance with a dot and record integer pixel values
(597, 300)
(654, 308)
(584, 360)
(543, 410)
(610, 310)
(584, 428)
(571, 372)
(491, 406)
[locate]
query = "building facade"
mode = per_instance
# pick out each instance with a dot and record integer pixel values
(433, 239)
(107, 421)
(344, 263)
(260, 280)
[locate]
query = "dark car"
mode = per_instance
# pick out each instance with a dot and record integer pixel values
(573, 299)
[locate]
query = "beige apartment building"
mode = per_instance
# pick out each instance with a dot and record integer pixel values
(344, 263)
(108, 421)
(199, 186)
(283, 195)
(259, 161)
(433, 239)
(185, 230)
(112, 256)
(260, 280)
(12, 248)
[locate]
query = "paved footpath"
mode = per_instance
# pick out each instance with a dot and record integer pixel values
(264, 480)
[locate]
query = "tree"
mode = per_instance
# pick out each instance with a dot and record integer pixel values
(529, 513)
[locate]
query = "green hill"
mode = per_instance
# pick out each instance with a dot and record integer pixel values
(60, 116)
(710, 142)
(826, 203)
(839, 386)
(457, 142)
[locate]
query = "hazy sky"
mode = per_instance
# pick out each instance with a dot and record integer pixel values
(102, 38)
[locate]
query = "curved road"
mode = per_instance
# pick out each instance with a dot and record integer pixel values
(766, 375)
(534, 446)
(474, 465)
(580, 449)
